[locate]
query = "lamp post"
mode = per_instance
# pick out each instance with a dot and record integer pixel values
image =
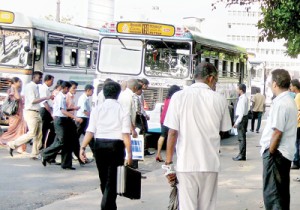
(57, 11)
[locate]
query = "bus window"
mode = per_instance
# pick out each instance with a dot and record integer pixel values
(95, 55)
(120, 56)
(54, 55)
(82, 60)
(166, 58)
(70, 56)
(224, 69)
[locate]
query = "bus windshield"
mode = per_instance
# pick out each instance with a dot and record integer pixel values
(120, 56)
(12, 43)
(167, 59)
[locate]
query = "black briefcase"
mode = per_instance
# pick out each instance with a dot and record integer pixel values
(128, 182)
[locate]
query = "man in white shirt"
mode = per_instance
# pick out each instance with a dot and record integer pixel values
(46, 112)
(278, 143)
(241, 122)
(195, 117)
(63, 123)
(126, 100)
(32, 117)
(110, 125)
(84, 113)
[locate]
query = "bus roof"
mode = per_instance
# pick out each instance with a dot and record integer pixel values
(205, 41)
(23, 21)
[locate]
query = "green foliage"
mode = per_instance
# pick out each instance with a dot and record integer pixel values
(281, 20)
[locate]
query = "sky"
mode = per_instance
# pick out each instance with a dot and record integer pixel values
(166, 11)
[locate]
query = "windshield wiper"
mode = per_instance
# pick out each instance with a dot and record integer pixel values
(125, 48)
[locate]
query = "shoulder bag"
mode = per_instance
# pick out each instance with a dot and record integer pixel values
(10, 106)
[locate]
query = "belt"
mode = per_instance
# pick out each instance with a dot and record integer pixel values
(33, 110)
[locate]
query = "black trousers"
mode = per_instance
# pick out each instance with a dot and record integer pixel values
(142, 124)
(48, 125)
(109, 155)
(296, 160)
(276, 181)
(81, 128)
(256, 115)
(63, 142)
(242, 129)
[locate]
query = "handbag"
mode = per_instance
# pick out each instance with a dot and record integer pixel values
(128, 182)
(250, 114)
(10, 106)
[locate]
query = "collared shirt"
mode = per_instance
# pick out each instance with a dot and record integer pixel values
(297, 100)
(241, 108)
(109, 120)
(259, 102)
(70, 98)
(44, 91)
(142, 100)
(59, 103)
(137, 104)
(283, 116)
(84, 103)
(100, 97)
(198, 114)
(31, 93)
(126, 100)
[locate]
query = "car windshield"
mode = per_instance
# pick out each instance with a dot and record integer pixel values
(12, 43)
(167, 59)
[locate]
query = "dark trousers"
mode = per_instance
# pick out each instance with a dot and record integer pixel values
(256, 115)
(276, 181)
(142, 124)
(296, 160)
(242, 129)
(63, 142)
(81, 128)
(109, 155)
(48, 126)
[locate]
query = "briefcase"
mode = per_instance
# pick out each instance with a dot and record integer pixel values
(128, 182)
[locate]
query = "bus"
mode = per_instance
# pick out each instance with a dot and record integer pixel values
(30, 44)
(166, 55)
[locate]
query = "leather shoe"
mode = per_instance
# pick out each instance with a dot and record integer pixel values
(147, 152)
(11, 151)
(68, 168)
(44, 162)
(239, 158)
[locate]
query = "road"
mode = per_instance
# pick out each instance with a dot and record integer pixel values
(25, 184)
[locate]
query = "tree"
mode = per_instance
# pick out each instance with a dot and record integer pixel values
(281, 20)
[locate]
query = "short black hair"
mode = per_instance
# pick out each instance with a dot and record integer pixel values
(111, 90)
(58, 83)
(295, 83)
(145, 81)
(204, 70)
(48, 77)
(73, 83)
(15, 80)
(88, 87)
(242, 87)
(282, 78)
(66, 84)
(173, 89)
(139, 86)
(39, 73)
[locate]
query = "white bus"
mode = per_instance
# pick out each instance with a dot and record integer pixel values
(28, 44)
(165, 55)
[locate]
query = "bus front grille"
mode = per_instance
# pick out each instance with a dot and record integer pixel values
(154, 95)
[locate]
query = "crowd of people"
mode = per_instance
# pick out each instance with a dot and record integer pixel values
(191, 121)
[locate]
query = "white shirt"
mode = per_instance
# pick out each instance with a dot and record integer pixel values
(59, 103)
(101, 97)
(198, 114)
(31, 93)
(283, 116)
(108, 120)
(241, 108)
(84, 103)
(44, 91)
(126, 100)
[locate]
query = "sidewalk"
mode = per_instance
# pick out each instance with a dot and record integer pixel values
(240, 185)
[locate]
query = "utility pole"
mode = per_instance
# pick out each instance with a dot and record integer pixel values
(57, 11)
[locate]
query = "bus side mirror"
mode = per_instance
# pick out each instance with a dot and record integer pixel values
(29, 58)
